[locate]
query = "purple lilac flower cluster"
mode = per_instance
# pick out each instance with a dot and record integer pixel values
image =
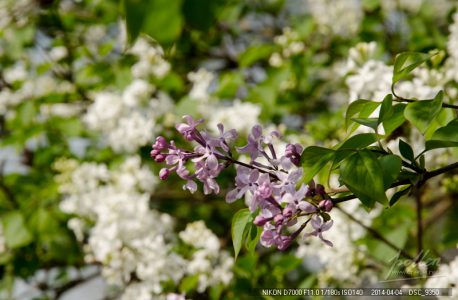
(270, 182)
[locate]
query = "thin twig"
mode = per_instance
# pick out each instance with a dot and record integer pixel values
(377, 235)
(419, 208)
(402, 99)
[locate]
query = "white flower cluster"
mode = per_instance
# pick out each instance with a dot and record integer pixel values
(127, 237)
(16, 11)
(30, 88)
(445, 277)
(291, 45)
(129, 119)
(212, 265)
(342, 262)
(201, 81)
(238, 115)
(151, 61)
(338, 18)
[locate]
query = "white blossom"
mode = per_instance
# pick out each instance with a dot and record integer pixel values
(241, 116)
(445, 277)
(341, 261)
(340, 18)
(201, 81)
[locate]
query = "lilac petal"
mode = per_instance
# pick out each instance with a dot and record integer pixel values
(267, 238)
(232, 196)
(212, 162)
(242, 192)
(327, 225)
(254, 175)
(316, 222)
(287, 198)
(220, 128)
(300, 194)
(183, 172)
(256, 131)
(295, 175)
(327, 242)
(191, 186)
(307, 207)
(171, 159)
(299, 148)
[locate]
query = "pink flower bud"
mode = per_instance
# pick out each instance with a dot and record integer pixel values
(154, 153)
(160, 158)
(260, 220)
(326, 205)
(288, 212)
(164, 173)
(278, 218)
(161, 143)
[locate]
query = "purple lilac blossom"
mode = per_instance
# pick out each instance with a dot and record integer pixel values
(270, 189)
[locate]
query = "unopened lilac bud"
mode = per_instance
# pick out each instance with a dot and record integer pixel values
(160, 158)
(326, 205)
(260, 220)
(320, 189)
(164, 173)
(289, 150)
(278, 218)
(160, 143)
(293, 153)
(288, 212)
(154, 153)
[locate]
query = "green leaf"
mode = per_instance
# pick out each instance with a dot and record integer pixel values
(406, 151)
(253, 236)
(359, 141)
(239, 223)
(443, 137)
(254, 54)
(160, 19)
(361, 174)
(27, 112)
(386, 109)
(422, 113)
(406, 62)
(136, 11)
(314, 159)
(229, 84)
(396, 119)
(189, 283)
(391, 166)
(395, 198)
(163, 21)
(15, 230)
(369, 122)
(361, 108)
(199, 14)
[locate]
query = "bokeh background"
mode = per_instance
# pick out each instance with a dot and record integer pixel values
(83, 95)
